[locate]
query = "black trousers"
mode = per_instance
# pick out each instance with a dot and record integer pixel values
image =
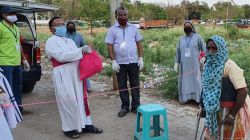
(131, 72)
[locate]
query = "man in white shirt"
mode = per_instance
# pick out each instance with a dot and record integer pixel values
(126, 52)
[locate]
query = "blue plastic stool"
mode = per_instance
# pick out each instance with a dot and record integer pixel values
(147, 111)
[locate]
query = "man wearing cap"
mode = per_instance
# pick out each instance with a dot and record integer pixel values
(11, 51)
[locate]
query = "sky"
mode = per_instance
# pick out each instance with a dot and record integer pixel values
(210, 2)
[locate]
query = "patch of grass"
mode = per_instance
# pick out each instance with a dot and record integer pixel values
(170, 86)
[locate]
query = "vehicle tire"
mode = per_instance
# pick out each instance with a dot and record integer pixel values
(28, 87)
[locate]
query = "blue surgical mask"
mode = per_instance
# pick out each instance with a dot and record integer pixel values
(60, 31)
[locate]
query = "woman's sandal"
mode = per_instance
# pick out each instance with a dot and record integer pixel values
(92, 129)
(72, 134)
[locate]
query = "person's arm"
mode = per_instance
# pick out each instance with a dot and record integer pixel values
(240, 100)
(53, 49)
(138, 39)
(22, 54)
(82, 41)
(110, 40)
(111, 51)
(140, 48)
(177, 57)
(236, 76)
(21, 49)
(178, 53)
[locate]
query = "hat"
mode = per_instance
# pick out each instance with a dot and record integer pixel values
(8, 10)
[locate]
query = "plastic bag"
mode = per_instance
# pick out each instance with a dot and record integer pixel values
(90, 64)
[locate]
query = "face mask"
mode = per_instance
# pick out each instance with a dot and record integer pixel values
(60, 31)
(12, 18)
(187, 30)
(122, 22)
(71, 30)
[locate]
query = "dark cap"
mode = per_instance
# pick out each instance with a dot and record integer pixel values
(8, 10)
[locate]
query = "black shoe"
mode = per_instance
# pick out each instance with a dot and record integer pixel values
(133, 110)
(91, 129)
(89, 91)
(122, 112)
(26, 112)
(74, 134)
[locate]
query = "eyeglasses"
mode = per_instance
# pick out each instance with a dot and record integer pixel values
(211, 48)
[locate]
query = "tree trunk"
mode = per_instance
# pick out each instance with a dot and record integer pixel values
(91, 27)
(72, 9)
(115, 84)
(114, 4)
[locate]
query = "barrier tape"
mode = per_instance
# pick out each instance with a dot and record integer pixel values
(94, 94)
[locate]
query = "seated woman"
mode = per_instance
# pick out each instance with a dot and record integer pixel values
(224, 119)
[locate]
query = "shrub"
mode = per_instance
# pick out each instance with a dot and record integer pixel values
(232, 32)
(170, 85)
(108, 71)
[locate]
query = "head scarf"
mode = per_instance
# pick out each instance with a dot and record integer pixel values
(193, 28)
(211, 80)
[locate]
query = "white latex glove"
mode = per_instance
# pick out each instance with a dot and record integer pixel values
(86, 49)
(3, 98)
(176, 66)
(115, 66)
(202, 61)
(26, 65)
(140, 63)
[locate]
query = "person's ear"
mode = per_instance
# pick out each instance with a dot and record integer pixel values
(52, 30)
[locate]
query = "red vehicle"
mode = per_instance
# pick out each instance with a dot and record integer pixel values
(155, 24)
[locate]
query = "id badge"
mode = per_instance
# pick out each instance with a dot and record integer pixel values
(123, 49)
(187, 52)
(123, 45)
(18, 47)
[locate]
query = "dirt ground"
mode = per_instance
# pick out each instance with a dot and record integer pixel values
(44, 123)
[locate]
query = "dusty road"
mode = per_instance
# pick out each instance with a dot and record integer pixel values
(44, 123)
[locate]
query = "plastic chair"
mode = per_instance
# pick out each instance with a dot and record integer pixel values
(148, 111)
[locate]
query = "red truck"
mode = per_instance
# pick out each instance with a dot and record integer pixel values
(155, 24)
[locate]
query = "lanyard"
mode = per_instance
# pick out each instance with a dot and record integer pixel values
(188, 42)
(15, 35)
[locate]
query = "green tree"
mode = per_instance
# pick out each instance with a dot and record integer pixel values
(175, 12)
(94, 10)
(148, 11)
(194, 10)
(226, 10)
(246, 11)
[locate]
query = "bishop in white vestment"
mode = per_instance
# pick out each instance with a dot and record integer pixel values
(65, 57)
